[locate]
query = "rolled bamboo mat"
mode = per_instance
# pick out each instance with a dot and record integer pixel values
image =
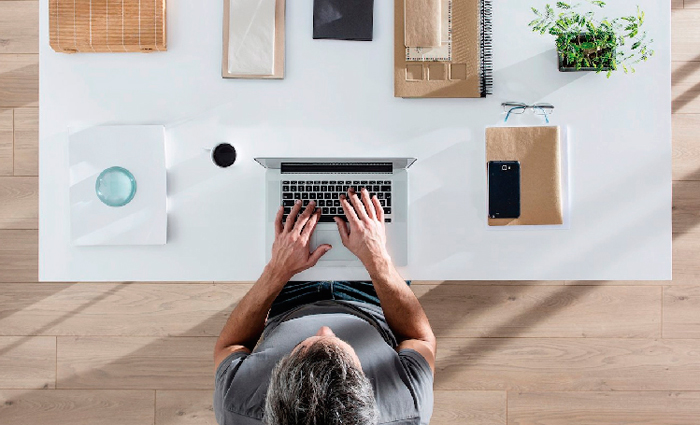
(107, 25)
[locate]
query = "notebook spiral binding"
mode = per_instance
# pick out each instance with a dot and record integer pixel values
(486, 48)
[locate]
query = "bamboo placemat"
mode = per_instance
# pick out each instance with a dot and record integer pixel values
(107, 25)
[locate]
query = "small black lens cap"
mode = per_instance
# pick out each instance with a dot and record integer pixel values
(224, 155)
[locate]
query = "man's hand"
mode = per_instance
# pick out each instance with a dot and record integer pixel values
(290, 251)
(366, 237)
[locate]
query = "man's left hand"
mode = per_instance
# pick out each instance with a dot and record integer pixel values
(290, 251)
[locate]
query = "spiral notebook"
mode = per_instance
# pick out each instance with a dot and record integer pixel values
(456, 58)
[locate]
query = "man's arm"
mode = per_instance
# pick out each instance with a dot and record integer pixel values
(290, 255)
(366, 238)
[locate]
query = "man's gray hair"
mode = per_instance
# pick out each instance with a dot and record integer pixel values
(319, 385)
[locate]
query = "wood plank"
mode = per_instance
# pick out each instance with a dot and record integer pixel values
(6, 141)
(686, 206)
(184, 408)
(27, 362)
(692, 4)
(19, 80)
(542, 311)
(19, 26)
(604, 408)
(685, 36)
(685, 87)
(416, 283)
(26, 155)
(135, 362)
(635, 283)
(19, 250)
(19, 203)
(451, 407)
(469, 407)
(686, 251)
(489, 282)
(676, 4)
(77, 407)
(567, 364)
(681, 312)
(117, 309)
(686, 149)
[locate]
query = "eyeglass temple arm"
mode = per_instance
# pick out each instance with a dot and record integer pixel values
(513, 109)
(544, 113)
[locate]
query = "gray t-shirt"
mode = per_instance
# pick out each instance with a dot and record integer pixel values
(402, 382)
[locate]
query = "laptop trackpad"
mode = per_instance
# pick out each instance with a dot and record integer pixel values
(332, 237)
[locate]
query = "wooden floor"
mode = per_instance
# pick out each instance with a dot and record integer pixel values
(509, 352)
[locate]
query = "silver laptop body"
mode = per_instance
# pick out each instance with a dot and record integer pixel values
(388, 177)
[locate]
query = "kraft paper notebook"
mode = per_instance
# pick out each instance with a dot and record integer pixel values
(442, 48)
(539, 152)
(253, 39)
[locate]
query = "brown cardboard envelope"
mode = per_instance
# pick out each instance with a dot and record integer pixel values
(539, 153)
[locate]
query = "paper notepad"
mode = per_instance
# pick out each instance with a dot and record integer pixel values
(539, 153)
(253, 39)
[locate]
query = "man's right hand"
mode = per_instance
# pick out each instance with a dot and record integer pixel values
(366, 236)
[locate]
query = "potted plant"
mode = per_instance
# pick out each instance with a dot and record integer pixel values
(586, 42)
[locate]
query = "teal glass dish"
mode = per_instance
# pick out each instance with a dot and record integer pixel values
(115, 186)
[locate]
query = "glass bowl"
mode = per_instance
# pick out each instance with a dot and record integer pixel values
(115, 186)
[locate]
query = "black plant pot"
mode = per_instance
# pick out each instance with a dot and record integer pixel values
(564, 68)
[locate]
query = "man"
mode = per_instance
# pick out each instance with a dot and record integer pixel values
(328, 353)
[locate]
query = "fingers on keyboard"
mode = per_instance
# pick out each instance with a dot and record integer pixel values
(326, 194)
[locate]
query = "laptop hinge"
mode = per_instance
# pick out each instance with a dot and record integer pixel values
(337, 168)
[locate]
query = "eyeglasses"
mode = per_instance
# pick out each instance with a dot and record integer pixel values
(543, 109)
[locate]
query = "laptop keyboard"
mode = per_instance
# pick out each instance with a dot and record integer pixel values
(326, 194)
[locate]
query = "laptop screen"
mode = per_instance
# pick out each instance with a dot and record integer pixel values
(395, 163)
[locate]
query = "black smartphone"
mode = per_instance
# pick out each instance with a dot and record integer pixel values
(504, 189)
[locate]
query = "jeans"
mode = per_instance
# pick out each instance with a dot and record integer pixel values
(295, 294)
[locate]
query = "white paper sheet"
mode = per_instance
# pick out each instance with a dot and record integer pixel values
(252, 37)
(141, 150)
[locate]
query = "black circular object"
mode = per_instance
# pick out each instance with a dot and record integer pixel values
(224, 155)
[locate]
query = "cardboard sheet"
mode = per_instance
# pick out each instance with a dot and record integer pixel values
(422, 24)
(444, 51)
(253, 39)
(539, 152)
(462, 76)
(343, 19)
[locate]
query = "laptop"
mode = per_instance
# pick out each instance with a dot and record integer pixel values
(323, 180)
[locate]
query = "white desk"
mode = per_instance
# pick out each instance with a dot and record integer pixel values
(337, 100)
